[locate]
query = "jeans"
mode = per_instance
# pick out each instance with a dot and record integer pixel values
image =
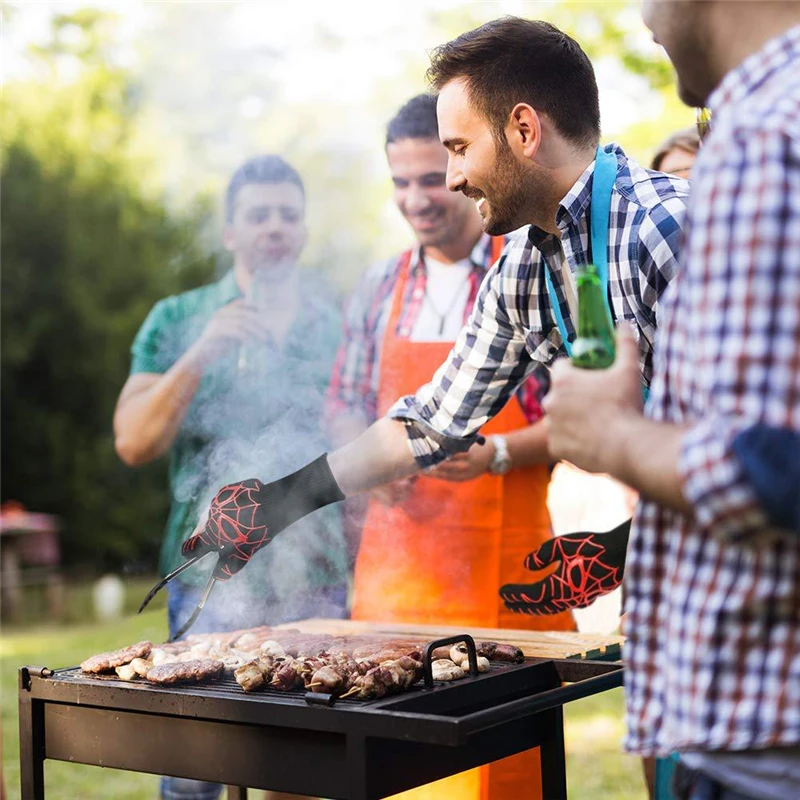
(693, 785)
(227, 611)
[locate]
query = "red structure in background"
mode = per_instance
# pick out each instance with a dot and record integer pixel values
(30, 554)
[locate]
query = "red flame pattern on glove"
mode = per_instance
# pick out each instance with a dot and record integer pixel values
(587, 568)
(236, 528)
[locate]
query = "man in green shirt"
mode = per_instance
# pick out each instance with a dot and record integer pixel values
(229, 379)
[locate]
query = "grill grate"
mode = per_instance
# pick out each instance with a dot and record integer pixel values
(227, 686)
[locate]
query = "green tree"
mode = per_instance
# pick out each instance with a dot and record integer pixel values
(87, 248)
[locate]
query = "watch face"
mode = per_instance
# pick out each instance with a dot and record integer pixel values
(500, 465)
(503, 466)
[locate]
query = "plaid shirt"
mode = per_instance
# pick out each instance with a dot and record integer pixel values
(714, 599)
(512, 328)
(356, 376)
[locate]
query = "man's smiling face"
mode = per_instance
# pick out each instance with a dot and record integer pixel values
(419, 167)
(479, 166)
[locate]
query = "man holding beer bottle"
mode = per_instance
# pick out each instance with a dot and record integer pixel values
(530, 158)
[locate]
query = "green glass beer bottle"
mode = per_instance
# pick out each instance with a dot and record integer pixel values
(594, 346)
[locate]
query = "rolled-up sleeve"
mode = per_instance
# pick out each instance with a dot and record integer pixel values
(744, 281)
(482, 371)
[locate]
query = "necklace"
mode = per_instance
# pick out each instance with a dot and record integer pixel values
(443, 316)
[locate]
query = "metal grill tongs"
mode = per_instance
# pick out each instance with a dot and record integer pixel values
(174, 574)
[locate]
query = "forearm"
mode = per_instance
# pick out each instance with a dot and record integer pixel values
(379, 455)
(343, 428)
(528, 446)
(147, 421)
(644, 454)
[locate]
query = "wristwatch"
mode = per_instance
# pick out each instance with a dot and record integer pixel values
(501, 461)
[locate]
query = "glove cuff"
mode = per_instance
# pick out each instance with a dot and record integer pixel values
(295, 496)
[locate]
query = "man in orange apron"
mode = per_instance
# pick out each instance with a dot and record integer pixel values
(436, 548)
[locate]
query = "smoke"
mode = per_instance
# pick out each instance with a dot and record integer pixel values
(261, 417)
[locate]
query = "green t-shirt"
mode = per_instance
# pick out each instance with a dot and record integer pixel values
(256, 417)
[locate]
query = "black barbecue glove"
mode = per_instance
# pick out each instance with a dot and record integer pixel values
(247, 515)
(589, 564)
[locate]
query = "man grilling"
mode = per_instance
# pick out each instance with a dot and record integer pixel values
(487, 506)
(233, 376)
(519, 115)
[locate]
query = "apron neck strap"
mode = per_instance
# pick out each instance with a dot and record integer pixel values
(603, 179)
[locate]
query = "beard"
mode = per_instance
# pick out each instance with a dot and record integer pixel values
(515, 197)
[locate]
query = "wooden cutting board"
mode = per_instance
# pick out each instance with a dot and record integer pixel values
(534, 644)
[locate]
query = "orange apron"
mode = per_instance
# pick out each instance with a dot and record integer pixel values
(440, 556)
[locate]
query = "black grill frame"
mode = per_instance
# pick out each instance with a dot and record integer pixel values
(276, 740)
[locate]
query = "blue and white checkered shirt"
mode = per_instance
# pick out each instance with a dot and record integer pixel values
(713, 656)
(512, 328)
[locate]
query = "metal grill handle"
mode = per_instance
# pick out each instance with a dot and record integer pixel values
(427, 655)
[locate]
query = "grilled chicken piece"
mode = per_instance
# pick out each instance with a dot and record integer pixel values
(288, 675)
(159, 656)
(141, 666)
(328, 680)
(107, 662)
(254, 674)
(410, 670)
(126, 672)
(272, 648)
(200, 670)
(444, 669)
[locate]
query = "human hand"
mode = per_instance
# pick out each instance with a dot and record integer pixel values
(394, 493)
(236, 528)
(588, 565)
(465, 466)
(246, 515)
(584, 409)
(231, 326)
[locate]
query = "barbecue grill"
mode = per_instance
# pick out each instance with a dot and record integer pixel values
(301, 742)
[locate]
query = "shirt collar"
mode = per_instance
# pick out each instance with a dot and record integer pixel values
(480, 256)
(755, 69)
(574, 204)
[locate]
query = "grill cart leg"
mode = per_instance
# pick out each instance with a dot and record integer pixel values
(554, 766)
(357, 767)
(31, 741)
(237, 793)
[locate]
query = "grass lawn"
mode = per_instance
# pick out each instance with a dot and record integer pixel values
(595, 766)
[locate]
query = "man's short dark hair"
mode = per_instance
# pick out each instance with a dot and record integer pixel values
(513, 60)
(415, 120)
(260, 169)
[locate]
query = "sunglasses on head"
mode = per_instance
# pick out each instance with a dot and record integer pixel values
(703, 122)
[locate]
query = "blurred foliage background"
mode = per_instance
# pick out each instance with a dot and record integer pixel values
(121, 123)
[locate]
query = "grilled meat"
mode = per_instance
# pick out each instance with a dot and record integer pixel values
(126, 672)
(141, 666)
(254, 674)
(500, 652)
(199, 670)
(107, 662)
